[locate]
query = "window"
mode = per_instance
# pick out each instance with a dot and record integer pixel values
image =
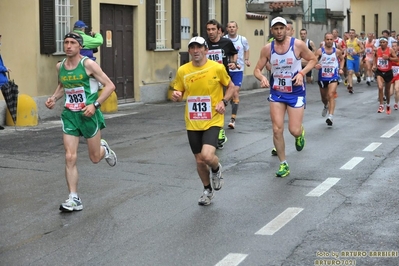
(376, 25)
(389, 22)
(160, 23)
(62, 23)
(55, 22)
(212, 9)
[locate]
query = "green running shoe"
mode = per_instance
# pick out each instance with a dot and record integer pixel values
(222, 139)
(300, 141)
(283, 171)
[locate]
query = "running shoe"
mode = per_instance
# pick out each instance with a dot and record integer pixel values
(346, 82)
(388, 110)
(222, 139)
(380, 109)
(71, 204)
(283, 171)
(110, 155)
(395, 106)
(206, 198)
(384, 99)
(329, 121)
(274, 152)
(300, 141)
(359, 79)
(368, 83)
(232, 123)
(324, 111)
(350, 89)
(217, 179)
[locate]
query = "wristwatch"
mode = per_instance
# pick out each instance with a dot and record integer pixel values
(225, 102)
(97, 105)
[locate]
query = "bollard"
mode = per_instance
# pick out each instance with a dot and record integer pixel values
(26, 112)
(110, 105)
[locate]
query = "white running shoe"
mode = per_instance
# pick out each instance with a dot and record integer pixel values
(324, 112)
(71, 204)
(232, 123)
(217, 179)
(206, 198)
(110, 155)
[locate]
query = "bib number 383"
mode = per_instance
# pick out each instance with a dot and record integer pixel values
(199, 107)
(75, 99)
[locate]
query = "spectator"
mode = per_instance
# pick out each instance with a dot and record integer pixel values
(3, 71)
(90, 42)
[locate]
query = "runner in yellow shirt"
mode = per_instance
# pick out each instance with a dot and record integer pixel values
(202, 81)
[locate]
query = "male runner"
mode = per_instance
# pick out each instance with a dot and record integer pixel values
(330, 66)
(287, 90)
(221, 50)
(204, 113)
(384, 56)
(242, 47)
(78, 76)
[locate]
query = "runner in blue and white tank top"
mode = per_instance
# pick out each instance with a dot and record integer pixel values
(287, 86)
(283, 68)
(237, 75)
(330, 66)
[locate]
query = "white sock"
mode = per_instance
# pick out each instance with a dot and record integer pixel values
(73, 195)
(368, 79)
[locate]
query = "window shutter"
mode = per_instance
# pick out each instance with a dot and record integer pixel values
(151, 41)
(85, 13)
(195, 18)
(176, 25)
(47, 26)
(204, 17)
(225, 12)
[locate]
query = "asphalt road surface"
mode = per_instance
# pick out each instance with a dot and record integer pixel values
(338, 205)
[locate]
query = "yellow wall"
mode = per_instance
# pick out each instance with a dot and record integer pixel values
(36, 75)
(370, 7)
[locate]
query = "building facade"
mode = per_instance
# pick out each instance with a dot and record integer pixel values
(145, 41)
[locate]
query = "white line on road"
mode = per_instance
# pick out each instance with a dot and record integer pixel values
(107, 116)
(232, 259)
(352, 163)
(372, 146)
(278, 222)
(323, 187)
(391, 132)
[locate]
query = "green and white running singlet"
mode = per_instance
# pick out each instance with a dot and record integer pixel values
(80, 90)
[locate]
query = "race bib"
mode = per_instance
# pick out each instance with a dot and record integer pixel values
(327, 72)
(395, 70)
(199, 107)
(282, 81)
(75, 99)
(382, 63)
(216, 55)
(369, 50)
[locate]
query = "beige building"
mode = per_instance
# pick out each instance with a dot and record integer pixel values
(145, 41)
(374, 16)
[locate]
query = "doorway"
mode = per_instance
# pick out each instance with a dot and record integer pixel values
(116, 26)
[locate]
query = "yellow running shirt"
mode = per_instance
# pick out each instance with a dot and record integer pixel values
(352, 46)
(203, 89)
